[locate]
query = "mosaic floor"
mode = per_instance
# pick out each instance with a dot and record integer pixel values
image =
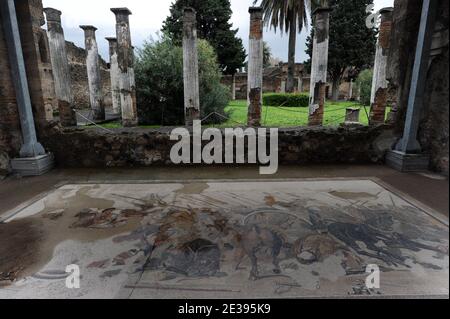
(224, 240)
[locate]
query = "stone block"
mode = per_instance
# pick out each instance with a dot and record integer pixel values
(408, 162)
(34, 166)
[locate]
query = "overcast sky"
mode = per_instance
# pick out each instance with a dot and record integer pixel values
(148, 17)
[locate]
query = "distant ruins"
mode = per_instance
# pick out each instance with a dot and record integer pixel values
(275, 78)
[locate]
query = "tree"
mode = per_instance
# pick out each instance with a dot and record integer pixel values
(267, 54)
(351, 43)
(290, 16)
(159, 83)
(213, 25)
(364, 83)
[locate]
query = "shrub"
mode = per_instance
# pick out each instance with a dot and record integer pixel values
(286, 100)
(159, 83)
(364, 82)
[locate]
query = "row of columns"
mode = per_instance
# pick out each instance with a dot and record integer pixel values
(123, 88)
(319, 68)
(256, 65)
(123, 78)
(123, 85)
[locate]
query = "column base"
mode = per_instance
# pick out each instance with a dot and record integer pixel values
(404, 162)
(130, 123)
(33, 166)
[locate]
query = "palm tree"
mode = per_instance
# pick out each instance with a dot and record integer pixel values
(290, 16)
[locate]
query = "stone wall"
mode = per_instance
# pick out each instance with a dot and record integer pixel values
(78, 72)
(147, 147)
(434, 128)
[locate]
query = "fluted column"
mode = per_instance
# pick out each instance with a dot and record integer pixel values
(114, 75)
(60, 67)
(255, 67)
(319, 66)
(125, 56)
(190, 67)
(93, 72)
(378, 97)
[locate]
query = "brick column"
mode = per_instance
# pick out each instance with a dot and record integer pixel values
(125, 56)
(378, 97)
(60, 67)
(115, 75)
(93, 72)
(255, 67)
(319, 67)
(190, 67)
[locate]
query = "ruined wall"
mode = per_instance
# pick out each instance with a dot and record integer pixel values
(273, 78)
(434, 127)
(147, 147)
(78, 73)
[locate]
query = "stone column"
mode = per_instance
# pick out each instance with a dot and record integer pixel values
(115, 75)
(350, 91)
(190, 67)
(407, 155)
(31, 147)
(378, 97)
(283, 87)
(233, 87)
(93, 72)
(125, 56)
(255, 67)
(319, 67)
(60, 67)
(300, 84)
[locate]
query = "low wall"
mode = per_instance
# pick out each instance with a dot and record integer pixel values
(146, 147)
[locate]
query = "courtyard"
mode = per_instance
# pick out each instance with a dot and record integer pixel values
(207, 157)
(279, 116)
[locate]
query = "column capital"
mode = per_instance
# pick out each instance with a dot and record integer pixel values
(387, 10)
(321, 10)
(386, 13)
(252, 10)
(111, 39)
(189, 12)
(53, 15)
(189, 15)
(121, 11)
(88, 28)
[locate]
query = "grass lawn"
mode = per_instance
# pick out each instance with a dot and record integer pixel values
(293, 116)
(273, 116)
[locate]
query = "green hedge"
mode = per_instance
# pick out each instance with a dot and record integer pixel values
(286, 100)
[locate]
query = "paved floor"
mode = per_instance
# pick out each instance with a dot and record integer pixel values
(179, 233)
